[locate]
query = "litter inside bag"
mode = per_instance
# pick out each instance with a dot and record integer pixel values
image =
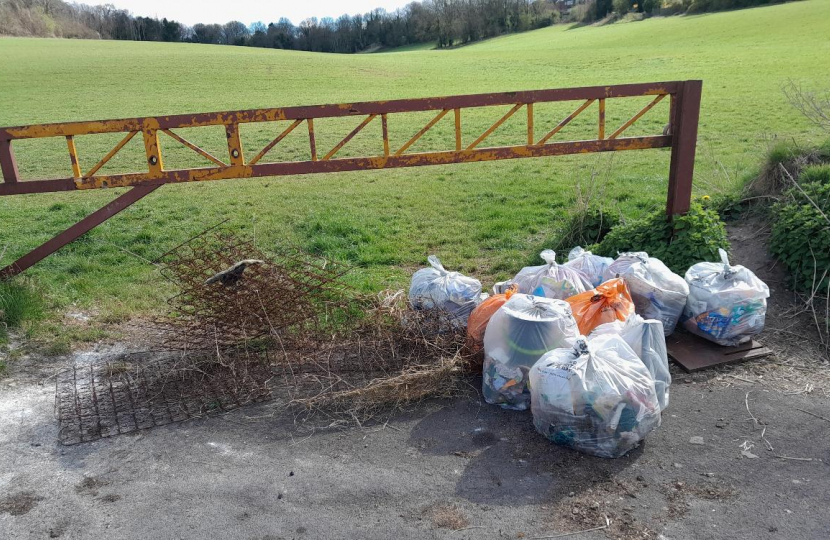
(607, 303)
(658, 293)
(452, 292)
(592, 266)
(521, 331)
(551, 280)
(595, 397)
(480, 317)
(726, 304)
(646, 339)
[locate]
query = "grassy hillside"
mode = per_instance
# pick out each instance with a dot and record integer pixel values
(484, 219)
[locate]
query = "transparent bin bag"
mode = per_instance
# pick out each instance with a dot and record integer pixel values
(480, 317)
(592, 266)
(726, 304)
(595, 397)
(658, 293)
(452, 292)
(551, 280)
(522, 330)
(646, 339)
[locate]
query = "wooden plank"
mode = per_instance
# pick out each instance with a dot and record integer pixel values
(694, 353)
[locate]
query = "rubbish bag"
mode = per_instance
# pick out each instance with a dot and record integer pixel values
(595, 397)
(551, 280)
(477, 323)
(591, 266)
(522, 330)
(646, 339)
(452, 292)
(658, 293)
(609, 302)
(726, 304)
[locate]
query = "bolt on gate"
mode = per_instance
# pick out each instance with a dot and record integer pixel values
(680, 135)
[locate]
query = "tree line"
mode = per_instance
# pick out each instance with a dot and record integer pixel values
(444, 22)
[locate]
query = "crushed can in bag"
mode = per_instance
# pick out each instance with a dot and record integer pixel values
(451, 292)
(521, 331)
(592, 266)
(726, 304)
(596, 397)
(658, 293)
(646, 339)
(551, 280)
(609, 302)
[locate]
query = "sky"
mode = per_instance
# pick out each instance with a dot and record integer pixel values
(191, 12)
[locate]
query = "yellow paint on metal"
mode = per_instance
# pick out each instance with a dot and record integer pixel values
(153, 151)
(73, 156)
(111, 153)
(273, 143)
(637, 116)
(348, 137)
(565, 122)
(201, 152)
(423, 130)
(492, 128)
(234, 144)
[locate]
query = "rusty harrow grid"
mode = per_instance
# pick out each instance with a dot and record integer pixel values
(283, 291)
(138, 391)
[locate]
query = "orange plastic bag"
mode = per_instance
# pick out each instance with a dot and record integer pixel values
(609, 302)
(477, 323)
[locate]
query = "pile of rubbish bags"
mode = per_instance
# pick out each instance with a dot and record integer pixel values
(582, 344)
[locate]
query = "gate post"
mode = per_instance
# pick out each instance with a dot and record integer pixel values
(684, 119)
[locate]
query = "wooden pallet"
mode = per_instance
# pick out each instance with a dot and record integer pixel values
(694, 353)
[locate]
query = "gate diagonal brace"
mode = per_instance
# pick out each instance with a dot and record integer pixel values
(77, 230)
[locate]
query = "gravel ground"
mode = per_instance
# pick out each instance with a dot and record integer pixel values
(453, 469)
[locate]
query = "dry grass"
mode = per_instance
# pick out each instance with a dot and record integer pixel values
(447, 516)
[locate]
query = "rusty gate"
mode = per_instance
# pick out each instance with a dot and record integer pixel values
(680, 135)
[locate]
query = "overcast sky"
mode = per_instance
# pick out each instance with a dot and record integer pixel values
(214, 11)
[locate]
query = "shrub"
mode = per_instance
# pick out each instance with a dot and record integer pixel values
(680, 243)
(801, 230)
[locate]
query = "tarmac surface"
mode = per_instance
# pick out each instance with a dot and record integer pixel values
(454, 469)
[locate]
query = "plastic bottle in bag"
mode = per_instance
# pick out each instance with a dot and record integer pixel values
(596, 397)
(551, 280)
(451, 292)
(592, 266)
(609, 302)
(658, 293)
(646, 339)
(521, 331)
(480, 317)
(726, 304)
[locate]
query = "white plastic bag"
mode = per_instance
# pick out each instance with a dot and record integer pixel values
(551, 280)
(726, 304)
(595, 397)
(658, 293)
(521, 331)
(592, 266)
(646, 339)
(452, 292)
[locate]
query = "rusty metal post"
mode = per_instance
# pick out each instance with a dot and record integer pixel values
(77, 230)
(8, 165)
(684, 120)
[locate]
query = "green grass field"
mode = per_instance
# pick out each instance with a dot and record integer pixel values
(485, 219)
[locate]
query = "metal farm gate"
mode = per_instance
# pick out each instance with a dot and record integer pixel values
(680, 135)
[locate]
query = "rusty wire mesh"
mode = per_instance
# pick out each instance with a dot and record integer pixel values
(287, 290)
(288, 330)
